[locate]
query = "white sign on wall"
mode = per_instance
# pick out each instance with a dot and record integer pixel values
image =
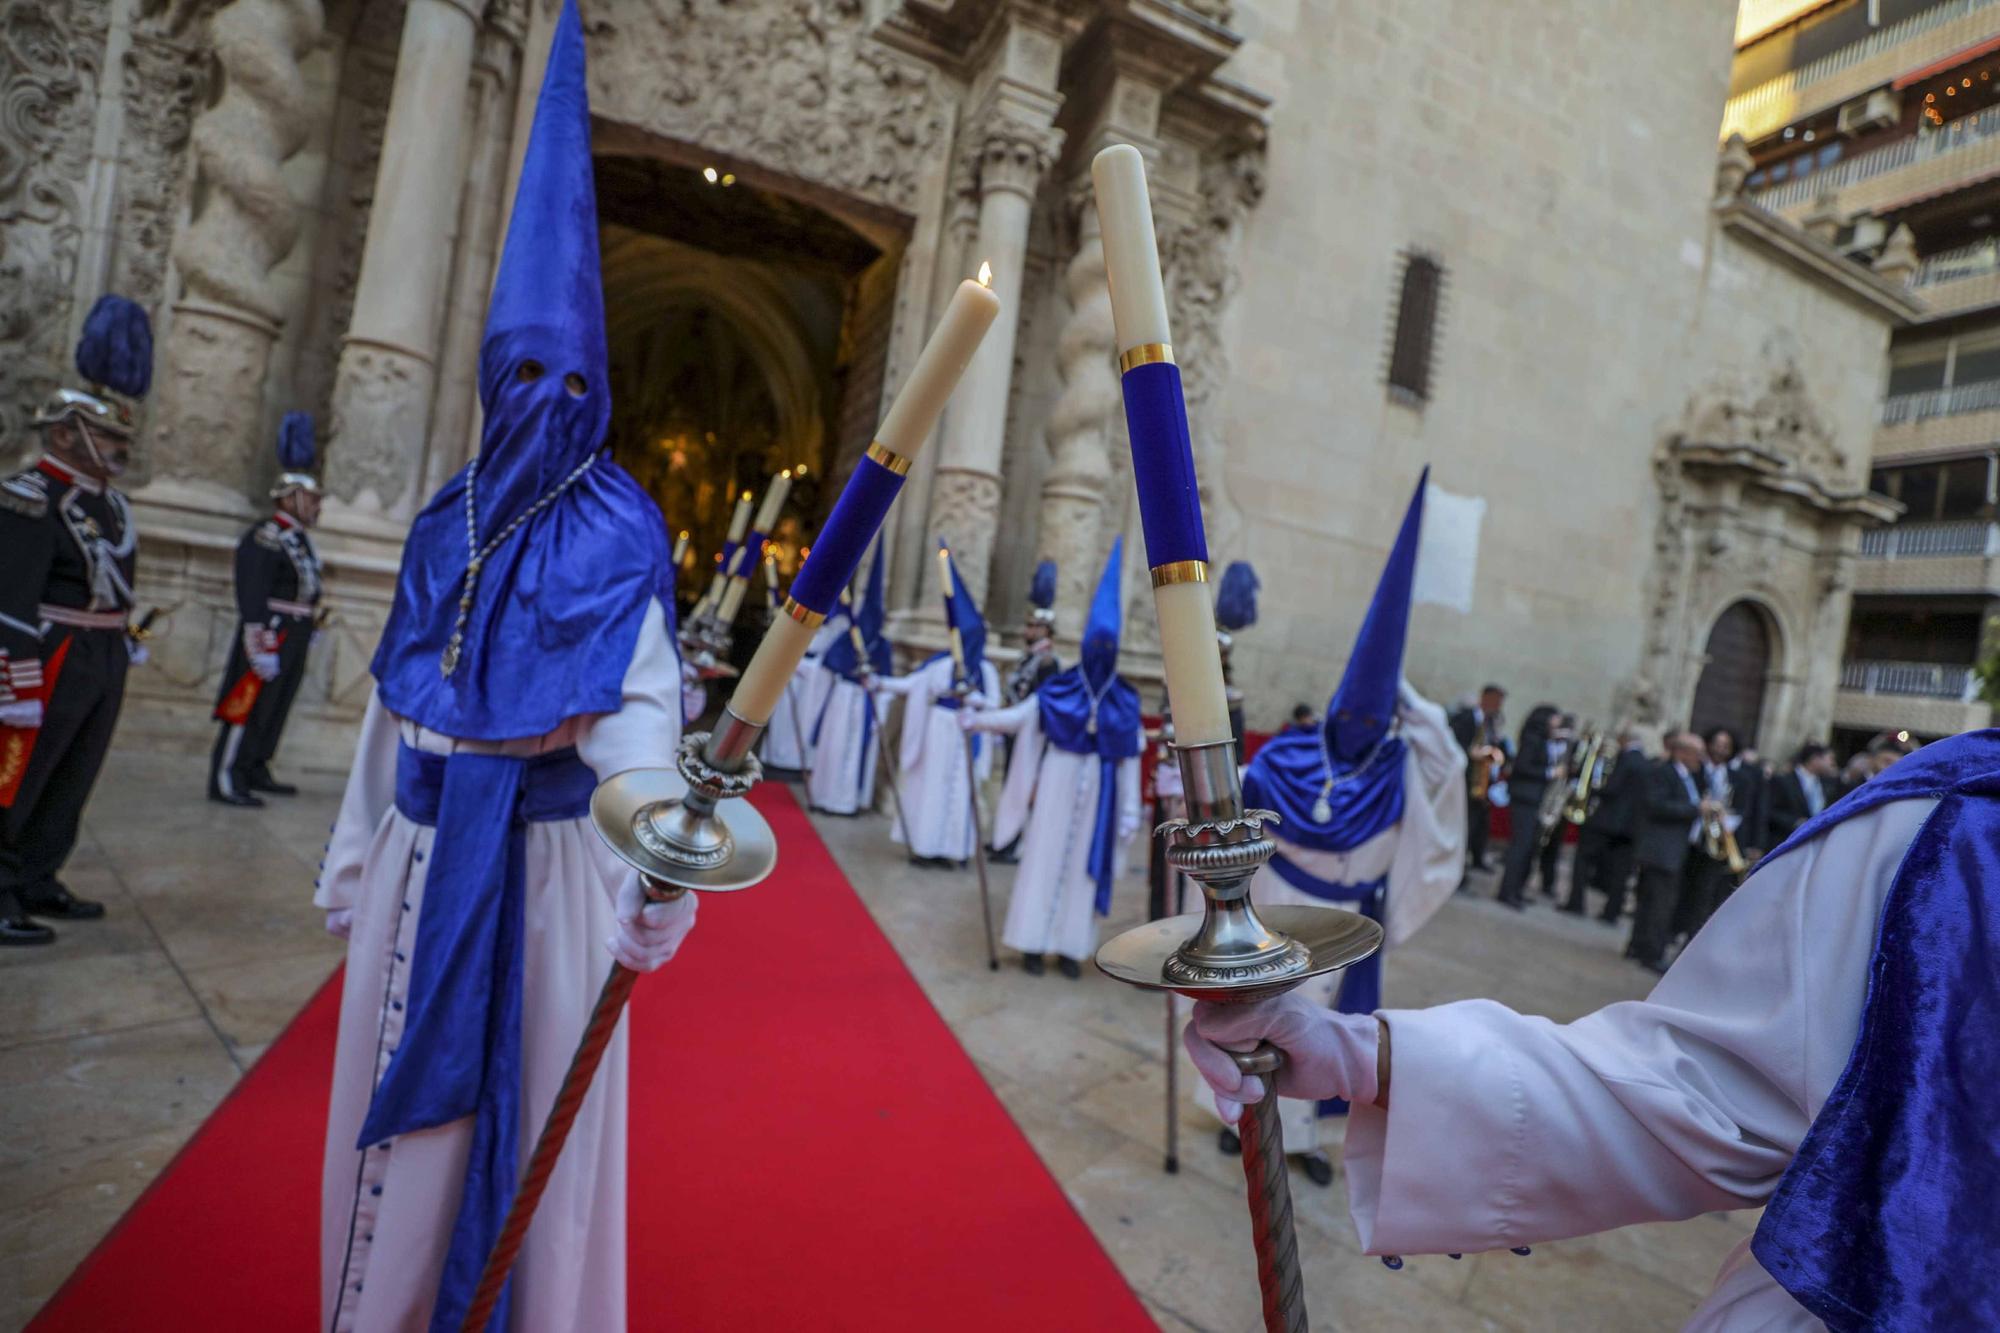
(1448, 550)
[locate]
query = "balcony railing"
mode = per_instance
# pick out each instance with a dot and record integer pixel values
(1952, 136)
(1777, 101)
(1968, 261)
(1977, 397)
(1924, 680)
(1916, 541)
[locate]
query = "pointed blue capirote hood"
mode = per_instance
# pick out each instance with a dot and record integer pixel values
(1236, 599)
(962, 614)
(542, 364)
(1364, 705)
(1100, 631)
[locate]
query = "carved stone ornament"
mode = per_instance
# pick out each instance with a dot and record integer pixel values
(49, 76)
(1015, 156)
(1768, 410)
(963, 504)
(378, 435)
(795, 86)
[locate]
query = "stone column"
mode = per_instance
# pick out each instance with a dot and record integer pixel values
(1080, 425)
(965, 499)
(388, 359)
(455, 419)
(208, 424)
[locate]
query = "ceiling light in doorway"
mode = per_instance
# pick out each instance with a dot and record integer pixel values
(729, 178)
(985, 274)
(708, 174)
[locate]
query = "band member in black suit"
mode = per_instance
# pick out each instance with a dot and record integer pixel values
(1562, 769)
(1604, 845)
(1800, 792)
(1536, 762)
(1481, 731)
(1737, 788)
(1667, 830)
(1749, 790)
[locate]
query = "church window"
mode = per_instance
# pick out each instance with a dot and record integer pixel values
(1414, 339)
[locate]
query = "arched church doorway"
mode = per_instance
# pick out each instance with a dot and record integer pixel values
(746, 335)
(1737, 656)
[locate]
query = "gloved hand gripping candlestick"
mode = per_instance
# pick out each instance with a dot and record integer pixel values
(679, 827)
(1228, 952)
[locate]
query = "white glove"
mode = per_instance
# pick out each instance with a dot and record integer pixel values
(137, 652)
(265, 665)
(970, 720)
(977, 700)
(649, 933)
(1407, 697)
(340, 922)
(1126, 828)
(1327, 1054)
(23, 713)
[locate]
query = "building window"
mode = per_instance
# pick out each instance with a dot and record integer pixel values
(1415, 337)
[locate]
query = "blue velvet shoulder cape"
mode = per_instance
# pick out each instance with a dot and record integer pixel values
(1889, 1216)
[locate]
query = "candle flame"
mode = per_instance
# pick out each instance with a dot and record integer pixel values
(684, 533)
(985, 274)
(746, 497)
(800, 470)
(786, 474)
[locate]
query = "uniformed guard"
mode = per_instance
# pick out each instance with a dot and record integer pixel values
(1038, 637)
(277, 602)
(67, 549)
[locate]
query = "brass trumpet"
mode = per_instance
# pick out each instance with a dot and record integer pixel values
(1718, 840)
(1484, 757)
(1591, 770)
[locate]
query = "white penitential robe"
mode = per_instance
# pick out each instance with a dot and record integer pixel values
(1504, 1129)
(847, 743)
(931, 761)
(1053, 794)
(386, 1214)
(1422, 854)
(788, 738)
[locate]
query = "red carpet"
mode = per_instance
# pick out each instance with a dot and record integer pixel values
(854, 1172)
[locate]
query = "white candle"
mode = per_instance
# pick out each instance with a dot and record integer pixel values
(1189, 653)
(739, 522)
(903, 432)
(680, 548)
(774, 500)
(762, 684)
(1131, 255)
(937, 371)
(1192, 660)
(732, 599)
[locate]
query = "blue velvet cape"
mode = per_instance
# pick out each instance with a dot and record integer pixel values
(1889, 1215)
(1289, 773)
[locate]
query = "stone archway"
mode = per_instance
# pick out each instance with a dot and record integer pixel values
(1737, 662)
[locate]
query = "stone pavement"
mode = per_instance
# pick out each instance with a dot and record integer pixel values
(123, 1037)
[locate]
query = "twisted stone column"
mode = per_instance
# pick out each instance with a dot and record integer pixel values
(389, 359)
(965, 498)
(1079, 435)
(208, 429)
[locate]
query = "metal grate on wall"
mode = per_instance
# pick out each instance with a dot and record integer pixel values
(1413, 337)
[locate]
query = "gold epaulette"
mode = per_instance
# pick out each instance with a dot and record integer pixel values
(267, 536)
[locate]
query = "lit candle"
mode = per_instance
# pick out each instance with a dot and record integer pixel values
(739, 522)
(857, 514)
(680, 548)
(1162, 453)
(774, 500)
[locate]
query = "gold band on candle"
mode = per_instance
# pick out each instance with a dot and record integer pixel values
(1145, 354)
(810, 619)
(890, 459)
(1180, 571)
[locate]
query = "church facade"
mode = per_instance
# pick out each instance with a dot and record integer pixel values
(1429, 233)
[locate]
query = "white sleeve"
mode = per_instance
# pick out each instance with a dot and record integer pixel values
(645, 732)
(1024, 770)
(1504, 1129)
(1128, 793)
(1430, 840)
(1009, 720)
(371, 791)
(896, 684)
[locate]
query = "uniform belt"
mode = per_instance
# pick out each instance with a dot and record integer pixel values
(77, 618)
(285, 608)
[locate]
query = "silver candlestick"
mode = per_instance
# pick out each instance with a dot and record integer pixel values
(1231, 953)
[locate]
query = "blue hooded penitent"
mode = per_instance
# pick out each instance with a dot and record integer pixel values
(1339, 787)
(555, 614)
(1885, 1217)
(296, 448)
(840, 656)
(1090, 709)
(558, 607)
(1236, 599)
(115, 351)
